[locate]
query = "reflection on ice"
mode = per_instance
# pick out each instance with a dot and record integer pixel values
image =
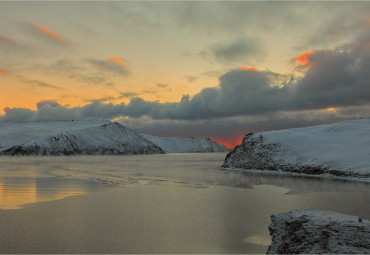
(257, 239)
(16, 192)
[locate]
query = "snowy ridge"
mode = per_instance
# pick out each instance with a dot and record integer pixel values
(317, 232)
(111, 138)
(340, 149)
(186, 144)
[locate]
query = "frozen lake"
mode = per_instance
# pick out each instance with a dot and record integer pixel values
(173, 203)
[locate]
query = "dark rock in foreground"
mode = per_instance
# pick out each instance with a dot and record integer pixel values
(318, 232)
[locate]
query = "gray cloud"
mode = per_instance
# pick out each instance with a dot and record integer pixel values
(128, 94)
(106, 65)
(18, 114)
(51, 110)
(42, 84)
(7, 41)
(90, 71)
(239, 49)
(162, 85)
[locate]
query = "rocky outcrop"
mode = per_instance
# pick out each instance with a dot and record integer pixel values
(318, 232)
(111, 138)
(186, 144)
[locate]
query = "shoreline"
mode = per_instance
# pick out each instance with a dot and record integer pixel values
(295, 174)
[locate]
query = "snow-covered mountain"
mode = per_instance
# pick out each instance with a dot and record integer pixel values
(110, 138)
(186, 144)
(318, 232)
(340, 149)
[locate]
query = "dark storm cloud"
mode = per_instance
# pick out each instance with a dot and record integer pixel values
(239, 49)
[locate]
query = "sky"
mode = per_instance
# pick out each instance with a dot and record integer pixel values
(216, 69)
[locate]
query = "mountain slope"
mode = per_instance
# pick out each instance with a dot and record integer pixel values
(340, 149)
(186, 144)
(111, 138)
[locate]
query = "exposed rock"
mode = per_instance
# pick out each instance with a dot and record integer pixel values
(317, 232)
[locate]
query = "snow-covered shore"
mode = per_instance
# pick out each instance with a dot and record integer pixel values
(317, 232)
(186, 144)
(340, 149)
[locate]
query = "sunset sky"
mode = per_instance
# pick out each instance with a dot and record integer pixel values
(216, 69)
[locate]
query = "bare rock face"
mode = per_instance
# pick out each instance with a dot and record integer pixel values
(318, 232)
(111, 138)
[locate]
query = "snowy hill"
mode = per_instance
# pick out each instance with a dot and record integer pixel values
(340, 149)
(111, 138)
(318, 232)
(186, 144)
(15, 133)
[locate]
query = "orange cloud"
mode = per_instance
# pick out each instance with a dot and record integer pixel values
(6, 40)
(331, 109)
(3, 72)
(49, 33)
(303, 59)
(117, 60)
(250, 68)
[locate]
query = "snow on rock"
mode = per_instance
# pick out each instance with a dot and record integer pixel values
(186, 144)
(317, 232)
(339, 149)
(111, 138)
